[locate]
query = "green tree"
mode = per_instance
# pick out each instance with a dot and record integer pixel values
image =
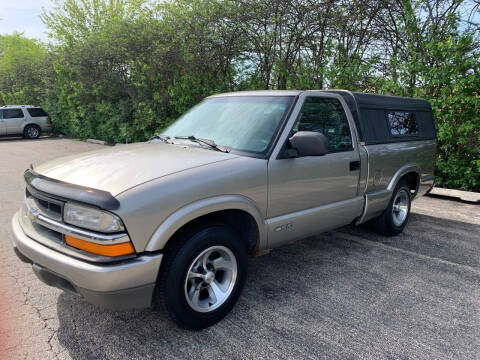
(438, 61)
(125, 69)
(24, 68)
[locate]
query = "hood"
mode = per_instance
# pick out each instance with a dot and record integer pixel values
(122, 167)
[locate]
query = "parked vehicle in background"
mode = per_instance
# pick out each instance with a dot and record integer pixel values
(27, 120)
(173, 220)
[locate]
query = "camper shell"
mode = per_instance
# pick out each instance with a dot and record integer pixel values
(371, 115)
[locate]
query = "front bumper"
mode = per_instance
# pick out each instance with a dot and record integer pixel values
(122, 285)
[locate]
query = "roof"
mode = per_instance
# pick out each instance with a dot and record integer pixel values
(365, 100)
(375, 101)
(260, 93)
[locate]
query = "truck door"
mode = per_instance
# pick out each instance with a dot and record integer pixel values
(311, 194)
(2, 124)
(13, 120)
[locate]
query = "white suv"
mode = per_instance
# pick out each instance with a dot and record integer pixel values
(26, 120)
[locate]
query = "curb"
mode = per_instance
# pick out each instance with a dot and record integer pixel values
(468, 196)
(95, 141)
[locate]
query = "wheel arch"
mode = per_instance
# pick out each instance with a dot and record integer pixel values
(237, 211)
(377, 201)
(409, 172)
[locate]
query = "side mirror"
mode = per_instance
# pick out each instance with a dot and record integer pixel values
(308, 143)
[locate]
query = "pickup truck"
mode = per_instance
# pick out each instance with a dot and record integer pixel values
(172, 221)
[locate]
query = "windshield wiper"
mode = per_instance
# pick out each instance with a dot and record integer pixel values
(208, 142)
(164, 138)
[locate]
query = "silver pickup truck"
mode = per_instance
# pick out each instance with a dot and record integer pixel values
(172, 221)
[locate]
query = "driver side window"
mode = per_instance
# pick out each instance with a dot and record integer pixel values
(326, 116)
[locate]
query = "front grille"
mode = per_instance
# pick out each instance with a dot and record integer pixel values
(48, 207)
(52, 234)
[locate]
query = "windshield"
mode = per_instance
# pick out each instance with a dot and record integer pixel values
(245, 123)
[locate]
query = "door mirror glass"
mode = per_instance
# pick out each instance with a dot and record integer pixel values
(308, 143)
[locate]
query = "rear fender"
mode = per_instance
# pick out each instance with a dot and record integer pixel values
(377, 201)
(400, 173)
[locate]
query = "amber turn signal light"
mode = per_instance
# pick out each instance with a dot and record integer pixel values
(98, 249)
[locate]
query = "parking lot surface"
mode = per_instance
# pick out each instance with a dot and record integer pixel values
(347, 294)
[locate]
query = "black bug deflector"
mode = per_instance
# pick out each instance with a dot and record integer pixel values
(64, 191)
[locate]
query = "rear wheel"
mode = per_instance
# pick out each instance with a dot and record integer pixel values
(203, 276)
(395, 217)
(31, 132)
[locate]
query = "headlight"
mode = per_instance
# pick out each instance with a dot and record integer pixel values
(91, 218)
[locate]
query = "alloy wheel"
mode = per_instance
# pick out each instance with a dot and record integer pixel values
(400, 207)
(32, 132)
(210, 279)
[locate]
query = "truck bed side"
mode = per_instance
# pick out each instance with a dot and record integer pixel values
(388, 163)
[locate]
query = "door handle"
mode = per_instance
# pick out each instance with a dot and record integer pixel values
(354, 165)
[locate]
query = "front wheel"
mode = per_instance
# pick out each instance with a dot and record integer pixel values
(395, 217)
(203, 276)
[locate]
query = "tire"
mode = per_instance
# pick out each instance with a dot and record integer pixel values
(395, 217)
(195, 302)
(31, 132)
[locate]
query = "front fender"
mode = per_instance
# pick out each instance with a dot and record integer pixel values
(202, 207)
